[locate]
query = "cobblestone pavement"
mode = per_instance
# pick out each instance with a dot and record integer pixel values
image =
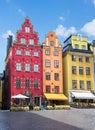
(74, 119)
(31, 121)
(81, 118)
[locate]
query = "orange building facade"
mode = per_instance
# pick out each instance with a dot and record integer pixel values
(52, 70)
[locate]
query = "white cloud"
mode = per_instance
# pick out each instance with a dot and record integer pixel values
(89, 28)
(22, 12)
(64, 32)
(8, 32)
(93, 2)
(61, 18)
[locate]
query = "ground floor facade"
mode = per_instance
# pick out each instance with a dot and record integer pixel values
(81, 98)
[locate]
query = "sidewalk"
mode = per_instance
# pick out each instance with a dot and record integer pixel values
(82, 118)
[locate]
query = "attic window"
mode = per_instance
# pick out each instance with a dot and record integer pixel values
(51, 35)
(27, 29)
(79, 37)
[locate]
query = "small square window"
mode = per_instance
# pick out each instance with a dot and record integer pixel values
(83, 47)
(35, 53)
(76, 46)
(18, 52)
(27, 53)
(55, 53)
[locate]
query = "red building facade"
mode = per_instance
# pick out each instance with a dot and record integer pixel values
(23, 70)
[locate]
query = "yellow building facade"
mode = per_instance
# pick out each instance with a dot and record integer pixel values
(78, 69)
(52, 69)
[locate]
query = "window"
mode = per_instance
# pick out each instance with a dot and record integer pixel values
(74, 84)
(83, 47)
(80, 58)
(27, 29)
(47, 52)
(18, 52)
(27, 83)
(81, 84)
(88, 84)
(36, 84)
(35, 53)
(87, 70)
(73, 58)
(47, 63)
(56, 76)
(56, 89)
(55, 53)
(81, 70)
(27, 67)
(79, 37)
(73, 69)
(47, 89)
(31, 41)
(56, 63)
(23, 41)
(35, 68)
(18, 66)
(47, 76)
(27, 53)
(76, 46)
(87, 59)
(52, 43)
(18, 83)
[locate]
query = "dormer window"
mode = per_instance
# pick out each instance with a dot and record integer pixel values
(22, 40)
(83, 47)
(76, 46)
(27, 29)
(31, 41)
(79, 37)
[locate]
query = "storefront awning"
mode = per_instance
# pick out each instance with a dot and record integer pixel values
(83, 95)
(51, 96)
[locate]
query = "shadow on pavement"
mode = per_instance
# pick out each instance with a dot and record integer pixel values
(30, 121)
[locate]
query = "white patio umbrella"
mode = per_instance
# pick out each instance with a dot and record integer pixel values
(19, 96)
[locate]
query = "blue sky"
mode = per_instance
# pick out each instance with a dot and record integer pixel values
(65, 17)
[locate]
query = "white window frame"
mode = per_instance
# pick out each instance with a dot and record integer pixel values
(27, 67)
(36, 84)
(18, 52)
(76, 46)
(23, 40)
(47, 52)
(31, 41)
(27, 29)
(27, 53)
(36, 54)
(36, 68)
(47, 63)
(18, 66)
(83, 47)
